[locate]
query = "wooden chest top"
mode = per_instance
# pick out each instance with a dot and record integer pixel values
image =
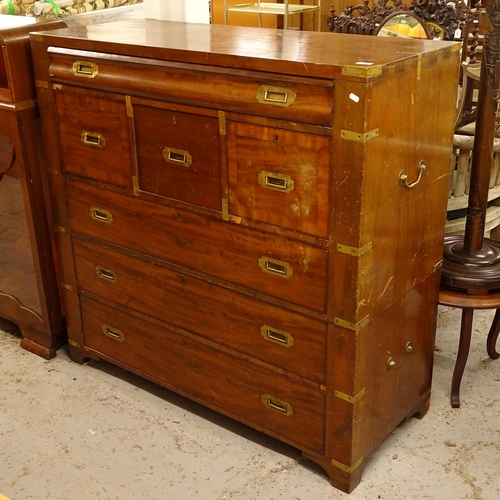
(323, 55)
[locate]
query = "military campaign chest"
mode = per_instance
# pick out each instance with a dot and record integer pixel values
(254, 219)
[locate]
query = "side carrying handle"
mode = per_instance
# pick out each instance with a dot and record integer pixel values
(403, 177)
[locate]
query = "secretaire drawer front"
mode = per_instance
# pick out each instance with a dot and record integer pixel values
(178, 155)
(268, 263)
(272, 334)
(94, 137)
(232, 385)
(305, 100)
(279, 177)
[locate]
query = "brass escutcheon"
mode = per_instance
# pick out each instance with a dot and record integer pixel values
(408, 348)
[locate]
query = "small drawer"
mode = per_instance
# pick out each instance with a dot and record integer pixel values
(279, 177)
(234, 386)
(268, 263)
(298, 99)
(272, 334)
(178, 155)
(94, 138)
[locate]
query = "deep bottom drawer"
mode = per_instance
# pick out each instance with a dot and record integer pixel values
(270, 402)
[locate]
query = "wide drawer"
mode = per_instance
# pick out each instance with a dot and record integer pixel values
(94, 137)
(280, 337)
(281, 267)
(234, 386)
(178, 155)
(279, 177)
(299, 99)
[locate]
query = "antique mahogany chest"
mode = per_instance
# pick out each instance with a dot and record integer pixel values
(254, 219)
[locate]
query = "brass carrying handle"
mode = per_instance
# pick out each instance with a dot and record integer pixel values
(276, 182)
(177, 156)
(276, 404)
(403, 177)
(106, 274)
(101, 215)
(276, 267)
(93, 139)
(113, 333)
(87, 69)
(277, 336)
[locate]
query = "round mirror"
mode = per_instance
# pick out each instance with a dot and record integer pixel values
(403, 24)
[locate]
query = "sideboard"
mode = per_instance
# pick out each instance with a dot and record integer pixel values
(254, 219)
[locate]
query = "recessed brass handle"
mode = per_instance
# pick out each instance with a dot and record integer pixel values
(403, 177)
(276, 267)
(277, 96)
(87, 69)
(391, 363)
(107, 274)
(177, 156)
(101, 215)
(94, 139)
(276, 182)
(113, 333)
(277, 336)
(276, 404)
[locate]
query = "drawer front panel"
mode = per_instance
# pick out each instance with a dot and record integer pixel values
(279, 177)
(178, 156)
(235, 386)
(297, 99)
(271, 334)
(271, 264)
(94, 138)
(268, 263)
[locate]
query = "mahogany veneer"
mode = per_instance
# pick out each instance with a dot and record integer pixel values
(236, 224)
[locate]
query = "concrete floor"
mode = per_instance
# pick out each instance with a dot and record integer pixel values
(71, 432)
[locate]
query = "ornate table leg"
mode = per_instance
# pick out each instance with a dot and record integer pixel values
(493, 336)
(462, 355)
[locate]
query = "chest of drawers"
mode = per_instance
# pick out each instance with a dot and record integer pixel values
(240, 219)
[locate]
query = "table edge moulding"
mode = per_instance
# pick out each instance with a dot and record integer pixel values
(254, 219)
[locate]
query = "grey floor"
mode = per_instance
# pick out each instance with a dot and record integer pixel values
(71, 432)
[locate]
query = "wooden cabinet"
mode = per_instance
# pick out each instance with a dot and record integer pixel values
(28, 282)
(28, 289)
(236, 224)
